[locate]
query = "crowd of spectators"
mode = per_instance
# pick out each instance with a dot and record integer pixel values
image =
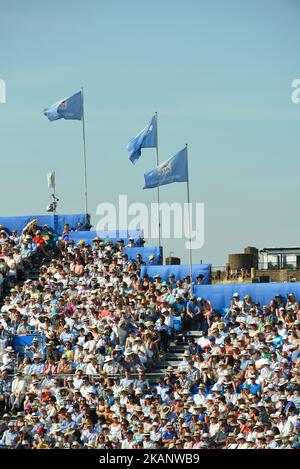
(101, 330)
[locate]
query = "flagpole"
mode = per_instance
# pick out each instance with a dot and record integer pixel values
(158, 195)
(189, 214)
(84, 156)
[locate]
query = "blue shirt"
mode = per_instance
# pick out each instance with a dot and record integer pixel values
(178, 306)
(192, 307)
(169, 436)
(254, 388)
(66, 336)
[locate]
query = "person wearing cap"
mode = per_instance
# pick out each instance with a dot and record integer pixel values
(10, 436)
(193, 314)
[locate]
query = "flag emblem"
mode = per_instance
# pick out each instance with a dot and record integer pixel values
(165, 168)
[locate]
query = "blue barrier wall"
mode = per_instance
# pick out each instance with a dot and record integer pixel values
(88, 236)
(56, 222)
(155, 251)
(180, 271)
(221, 295)
(21, 341)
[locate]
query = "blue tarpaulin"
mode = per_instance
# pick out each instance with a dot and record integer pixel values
(180, 271)
(221, 295)
(155, 251)
(19, 342)
(87, 236)
(56, 222)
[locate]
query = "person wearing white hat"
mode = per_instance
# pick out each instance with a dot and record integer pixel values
(92, 368)
(184, 364)
(236, 302)
(131, 243)
(231, 442)
(10, 436)
(110, 367)
(37, 366)
(241, 441)
(18, 389)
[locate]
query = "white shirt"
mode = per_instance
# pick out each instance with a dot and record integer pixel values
(18, 386)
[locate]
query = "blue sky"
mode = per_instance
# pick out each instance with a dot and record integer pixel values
(218, 73)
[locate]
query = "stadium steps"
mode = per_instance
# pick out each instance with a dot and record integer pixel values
(173, 357)
(177, 349)
(195, 334)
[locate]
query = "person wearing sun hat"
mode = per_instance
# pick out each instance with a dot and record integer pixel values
(167, 413)
(10, 436)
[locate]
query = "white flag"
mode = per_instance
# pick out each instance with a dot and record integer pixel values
(51, 180)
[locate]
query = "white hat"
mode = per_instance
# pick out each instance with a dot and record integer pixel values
(36, 355)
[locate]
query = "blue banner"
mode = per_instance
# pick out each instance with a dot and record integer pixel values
(221, 295)
(19, 342)
(87, 236)
(56, 222)
(180, 271)
(155, 251)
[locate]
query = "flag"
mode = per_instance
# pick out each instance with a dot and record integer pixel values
(51, 180)
(175, 169)
(67, 108)
(147, 138)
